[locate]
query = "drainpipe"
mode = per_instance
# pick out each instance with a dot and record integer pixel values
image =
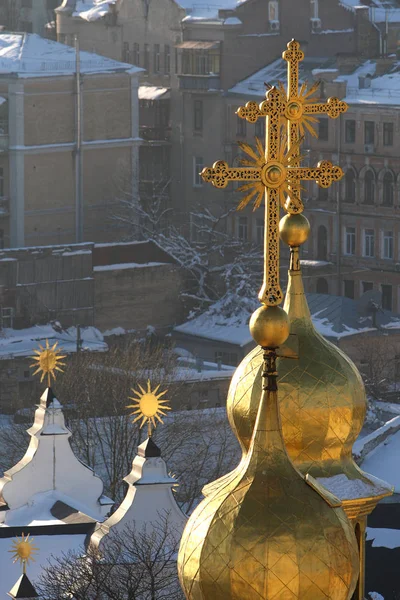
(78, 149)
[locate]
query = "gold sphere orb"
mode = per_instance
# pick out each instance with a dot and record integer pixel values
(269, 326)
(294, 229)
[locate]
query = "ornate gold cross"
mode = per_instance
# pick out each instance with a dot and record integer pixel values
(274, 171)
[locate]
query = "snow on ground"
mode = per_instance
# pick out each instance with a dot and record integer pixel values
(383, 462)
(48, 546)
(22, 342)
(120, 266)
(29, 55)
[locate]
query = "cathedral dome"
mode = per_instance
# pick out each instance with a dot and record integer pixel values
(268, 532)
(321, 396)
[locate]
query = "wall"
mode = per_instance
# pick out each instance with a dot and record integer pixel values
(138, 296)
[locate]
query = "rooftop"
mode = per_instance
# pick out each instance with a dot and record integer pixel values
(29, 55)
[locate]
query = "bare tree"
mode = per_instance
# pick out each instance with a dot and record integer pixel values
(198, 446)
(138, 563)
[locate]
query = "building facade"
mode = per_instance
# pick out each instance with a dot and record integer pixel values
(198, 52)
(69, 152)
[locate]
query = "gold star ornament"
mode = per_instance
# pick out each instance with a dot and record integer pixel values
(23, 550)
(48, 361)
(148, 406)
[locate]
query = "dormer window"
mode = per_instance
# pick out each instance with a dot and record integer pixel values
(273, 15)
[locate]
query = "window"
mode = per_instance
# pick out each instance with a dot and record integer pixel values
(241, 127)
(26, 3)
(350, 241)
(26, 26)
(167, 59)
(146, 58)
(260, 128)
(386, 296)
(369, 132)
(176, 60)
(125, 52)
(157, 58)
(136, 54)
(369, 243)
(1, 182)
(388, 134)
(323, 131)
(260, 231)
(242, 229)
(200, 62)
(198, 166)
(7, 317)
(350, 186)
(322, 286)
(198, 115)
(388, 185)
(348, 288)
(366, 286)
(350, 131)
(322, 243)
(387, 244)
(314, 9)
(369, 188)
(273, 10)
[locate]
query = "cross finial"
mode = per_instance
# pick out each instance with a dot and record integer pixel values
(274, 171)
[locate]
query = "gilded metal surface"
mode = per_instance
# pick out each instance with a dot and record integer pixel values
(264, 531)
(48, 361)
(148, 406)
(23, 550)
(267, 534)
(275, 172)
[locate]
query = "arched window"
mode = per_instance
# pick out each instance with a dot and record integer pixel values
(322, 286)
(369, 188)
(314, 9)
(322, 243)
(350, 186)
(388, 185)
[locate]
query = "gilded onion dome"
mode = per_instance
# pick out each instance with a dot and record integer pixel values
(322, 398)
(268, 532)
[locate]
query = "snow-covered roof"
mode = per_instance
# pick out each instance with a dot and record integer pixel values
(22, 342)
(382, 90)
(383, 461)
(275, 72)
(380, 11)
(91, 10)
(334, 317)
(152, 92)
(196, 10)
(29, 55)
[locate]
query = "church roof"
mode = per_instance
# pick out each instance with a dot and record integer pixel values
(23, 589)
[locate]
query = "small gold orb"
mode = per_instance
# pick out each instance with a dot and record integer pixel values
(294, 110)
(269, 326)
(294, 229)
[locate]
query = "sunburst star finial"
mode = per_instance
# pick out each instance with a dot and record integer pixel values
(23, 550)
(48, 361)
(148, 406)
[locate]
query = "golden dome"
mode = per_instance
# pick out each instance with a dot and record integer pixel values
(266, 532)
(321, 396)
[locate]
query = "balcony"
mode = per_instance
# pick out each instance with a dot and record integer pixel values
(155, 135)
(200, 82)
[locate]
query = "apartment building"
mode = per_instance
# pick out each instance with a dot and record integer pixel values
(68, 144)
(197, 51)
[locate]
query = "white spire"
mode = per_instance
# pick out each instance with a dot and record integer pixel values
(149, 496)
(49, 465)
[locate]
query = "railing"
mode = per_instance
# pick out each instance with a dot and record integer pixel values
(158, 134)
(199, 82)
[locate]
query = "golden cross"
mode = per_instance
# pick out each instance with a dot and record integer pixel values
(273, 172)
